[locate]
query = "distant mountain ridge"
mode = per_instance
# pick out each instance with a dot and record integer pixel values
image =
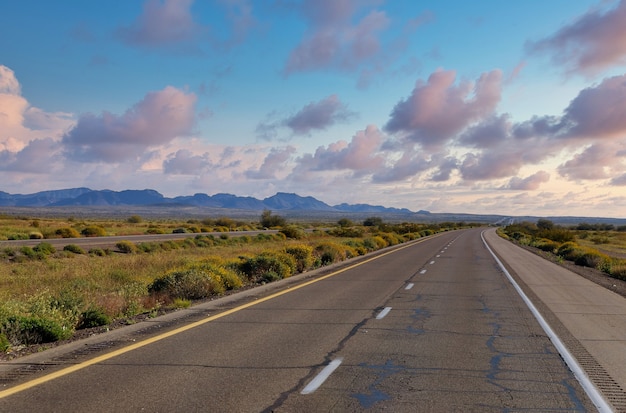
(148, 197)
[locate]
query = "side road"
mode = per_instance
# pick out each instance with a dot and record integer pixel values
(590, 319)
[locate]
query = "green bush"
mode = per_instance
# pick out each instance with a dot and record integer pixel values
(303, 254)
(192, 283)
(99, 252)
(126, 247)
(268, 266)
(94, 231)
(570, 251)
(329, 253)
(35, 235)
(293, 232)
(33, 330)
(5, 344)
(591, 259)
(134, 219)
(74, 249)
(93, 317)
(67, 233)
(44, 248)
(546, 245)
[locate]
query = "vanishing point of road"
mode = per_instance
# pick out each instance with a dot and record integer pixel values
(436, 325)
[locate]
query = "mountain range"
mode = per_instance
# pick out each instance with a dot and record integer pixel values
(147, 197)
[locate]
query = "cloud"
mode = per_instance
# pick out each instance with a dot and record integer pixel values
(38, 156)
(314, 116)
(20, 122)
(360, 156)
(439, 109)
(332, 40)
(530, 183)
(184, 162)
(164, 23)
(275, 162)
(598, 161)
(594, 41)
(157, 119)
(597, 111)
(318, 116)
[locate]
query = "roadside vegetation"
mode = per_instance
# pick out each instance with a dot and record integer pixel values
(48, 293)
(599, 246)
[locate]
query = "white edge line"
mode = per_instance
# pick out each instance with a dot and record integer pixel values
(584, 380)
(409, 286)
(383, 313)
(322, 376)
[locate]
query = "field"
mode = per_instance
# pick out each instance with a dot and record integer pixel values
(47, 294)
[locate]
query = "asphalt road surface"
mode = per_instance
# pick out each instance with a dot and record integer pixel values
(433, 326)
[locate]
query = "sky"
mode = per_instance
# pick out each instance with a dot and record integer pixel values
(489, 107)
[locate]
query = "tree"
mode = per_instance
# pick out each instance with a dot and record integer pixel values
(268, 220)
(345, 222)
(545, 224)
(372, 222)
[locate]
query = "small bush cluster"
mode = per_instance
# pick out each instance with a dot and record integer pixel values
(560, 241)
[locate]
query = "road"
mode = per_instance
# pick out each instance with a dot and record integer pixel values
(433, 326)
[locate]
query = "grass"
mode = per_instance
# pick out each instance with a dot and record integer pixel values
(46, 294)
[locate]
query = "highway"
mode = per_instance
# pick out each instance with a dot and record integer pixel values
(431, 326)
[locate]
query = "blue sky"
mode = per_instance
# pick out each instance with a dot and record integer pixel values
(450, 106)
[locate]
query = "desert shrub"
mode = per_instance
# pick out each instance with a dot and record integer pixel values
(5, 344)
(426, 232)
(372, 221)
(391, 238)
(181, 303)
(570, 251)
(33, 330)
(134, 219)
(93, 317)
(268, 266)
(99, 252)
(126, 247)
(329, 252)
(155, 230)
(348, 232)
(44, 248)
(149, 247)
(189, 283)
(378, 242)
(618, 270)
(28, 252)
(358, 246)
(93, 231)
(14, 237)
(35, 235)
(67, 232)
(557, 234)
(591, 259)
(293, 232)
(74, 249)
(546, 245)
(303, 254)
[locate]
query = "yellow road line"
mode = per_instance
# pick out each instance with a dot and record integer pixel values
(71, 369)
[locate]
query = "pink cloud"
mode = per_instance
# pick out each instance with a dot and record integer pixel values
(598, 161)
(275, 162)
(318, 115)
(438, 109)
(157, 119)
(184, 162)
(162, 24)
(332, 40)
(598, 111)
(360, 156)
(595, 41)
(530, 183)
(38, 156)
